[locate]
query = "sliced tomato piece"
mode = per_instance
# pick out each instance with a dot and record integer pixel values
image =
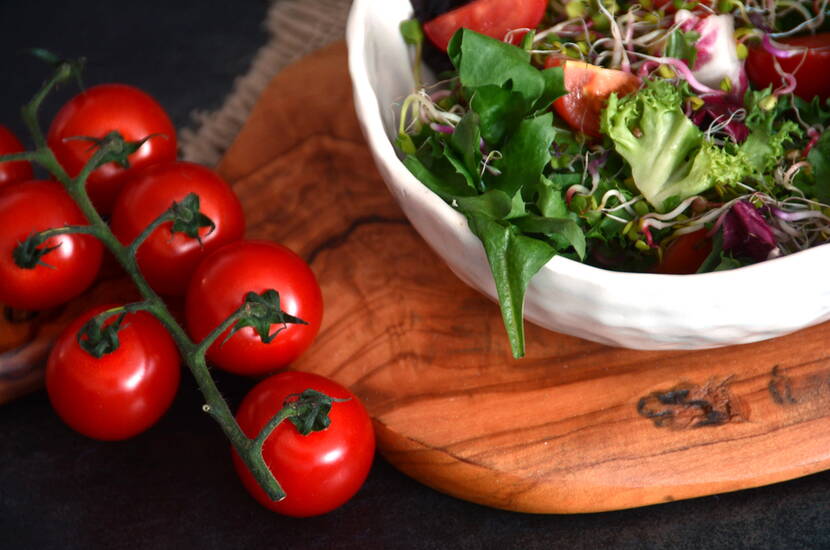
(810, 69)
(491, 17)
(685, 254)
(589, 87)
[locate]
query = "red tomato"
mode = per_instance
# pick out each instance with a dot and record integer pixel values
(122, 393)
(32, 206)
(218, 287)
(98, 111)
(589, 87)
(167, 260)
(811, 76)
(319, 471)
(685, 254)
(491, 17)
(12, 171)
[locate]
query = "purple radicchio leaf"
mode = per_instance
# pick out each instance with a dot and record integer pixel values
(721, 108)
(717, 55)
(746, 233)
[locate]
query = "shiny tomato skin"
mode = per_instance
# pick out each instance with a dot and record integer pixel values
(812, 78)
(218, 287)
(167, 260)
(493, 18)
(32, 206)
(319, 471)
(96, 112)
(120, 394)
(589, 87)
(13, 171)
(685, 254)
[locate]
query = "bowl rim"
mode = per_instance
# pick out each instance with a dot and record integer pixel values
(368, 108)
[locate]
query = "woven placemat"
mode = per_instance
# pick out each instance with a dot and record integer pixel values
(296, 28)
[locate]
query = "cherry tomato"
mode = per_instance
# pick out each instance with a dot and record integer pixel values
(319, 471)
(491, 17)
(589, 87)
(166, 259)
(218, 287)
(29, 207)
(98, 111)
(810, 69)
(122, 393)
(12, 171)
(685, 254)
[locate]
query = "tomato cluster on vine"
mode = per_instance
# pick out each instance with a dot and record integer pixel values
(114, 371)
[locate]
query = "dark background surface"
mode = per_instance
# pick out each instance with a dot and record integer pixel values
(174, 486)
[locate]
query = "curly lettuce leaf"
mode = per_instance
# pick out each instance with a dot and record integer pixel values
(764, 146)
(669, 157)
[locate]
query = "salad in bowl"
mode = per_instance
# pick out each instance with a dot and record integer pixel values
(637, 141)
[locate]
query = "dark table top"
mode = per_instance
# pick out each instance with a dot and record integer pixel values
(174, 485)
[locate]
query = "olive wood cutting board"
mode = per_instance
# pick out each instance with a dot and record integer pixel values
(573, 427)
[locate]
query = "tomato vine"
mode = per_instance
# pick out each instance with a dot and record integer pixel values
(256, 309)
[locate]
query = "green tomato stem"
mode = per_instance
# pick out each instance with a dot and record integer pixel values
(63, 73)
(208, 340)
(70, 230)
(250, 450)
(25, 155)
(165, 216)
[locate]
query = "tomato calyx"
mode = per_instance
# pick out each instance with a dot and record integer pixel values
(97, 338)
(259, 312)
(29, 254)
(64, 68)
(113, 148)
(309, 410)
(189, 219)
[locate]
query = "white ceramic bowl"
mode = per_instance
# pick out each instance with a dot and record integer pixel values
(634, 310)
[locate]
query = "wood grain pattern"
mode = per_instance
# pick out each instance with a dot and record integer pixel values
(573, 427)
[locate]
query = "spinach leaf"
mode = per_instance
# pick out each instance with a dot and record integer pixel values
(465, 140)
(550, 194)
(525, 154)
(494, 204)
(554, 78)
(564, 227)
(500, 111)
(483, 61)
(509, 102)
(445, 187)
(819, 158)
(514, 259)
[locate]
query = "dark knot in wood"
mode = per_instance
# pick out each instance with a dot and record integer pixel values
(687, 406)
(780, 387)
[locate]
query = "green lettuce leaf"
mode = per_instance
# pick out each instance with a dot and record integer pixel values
(669, 158)
(514, 259)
